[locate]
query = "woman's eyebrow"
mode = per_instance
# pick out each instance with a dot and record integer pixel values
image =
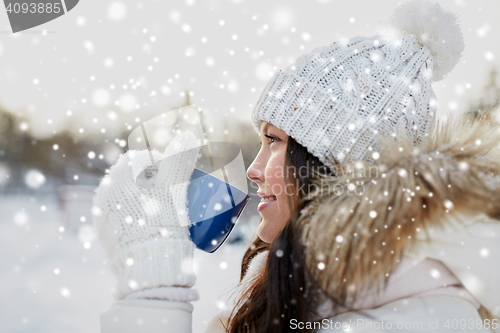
(265, 128)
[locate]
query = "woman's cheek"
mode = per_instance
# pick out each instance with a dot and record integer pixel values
(274, 173)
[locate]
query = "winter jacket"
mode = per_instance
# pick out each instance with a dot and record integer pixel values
(419, 249)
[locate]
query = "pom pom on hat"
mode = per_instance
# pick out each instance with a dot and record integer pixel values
(435, 29)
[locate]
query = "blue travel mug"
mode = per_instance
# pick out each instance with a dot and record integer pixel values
(215, 206)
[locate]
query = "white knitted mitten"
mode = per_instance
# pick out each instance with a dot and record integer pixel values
(144, 231)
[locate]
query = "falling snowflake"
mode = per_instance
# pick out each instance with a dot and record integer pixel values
(65, 292)
(117, 11)
(34, 178)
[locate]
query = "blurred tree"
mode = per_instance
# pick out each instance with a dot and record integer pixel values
(489, 99)
(59, 156)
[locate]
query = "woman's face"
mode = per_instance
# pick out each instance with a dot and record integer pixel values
(267, 171)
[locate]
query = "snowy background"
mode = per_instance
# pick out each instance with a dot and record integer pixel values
(54, 281)
(72, 89)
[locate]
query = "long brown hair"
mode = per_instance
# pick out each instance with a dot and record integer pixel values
(286, 290)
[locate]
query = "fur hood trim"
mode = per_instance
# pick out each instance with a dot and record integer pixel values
(357, 227)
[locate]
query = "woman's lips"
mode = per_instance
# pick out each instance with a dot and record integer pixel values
(263, 205)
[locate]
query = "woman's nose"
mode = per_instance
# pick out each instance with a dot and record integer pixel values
(256, 172)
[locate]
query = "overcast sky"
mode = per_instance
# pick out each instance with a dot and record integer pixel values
(105, 63)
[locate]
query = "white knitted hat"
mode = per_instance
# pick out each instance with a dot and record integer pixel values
(337, 99)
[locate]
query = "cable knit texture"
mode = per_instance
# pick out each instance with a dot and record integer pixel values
(338, 99)
(143, 226)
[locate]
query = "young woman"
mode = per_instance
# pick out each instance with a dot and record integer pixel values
(374, 217)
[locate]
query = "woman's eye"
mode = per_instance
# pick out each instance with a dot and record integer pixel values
(272, 138)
